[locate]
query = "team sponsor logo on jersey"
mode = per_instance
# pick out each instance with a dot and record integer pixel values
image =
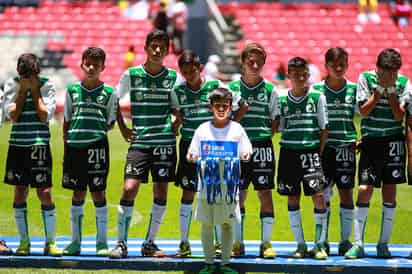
(101, 99)
(163, 172)
(262, 164)
(396, 173)
(41, 178)
(397, 159)
(261, 97)
(97, 166)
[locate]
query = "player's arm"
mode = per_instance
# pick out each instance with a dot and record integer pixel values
(274, 112)
(241, 112)
(175, 109)
(127, 133)
(112, 109)
(367, 101)
(40, 106)
(323, 122)
(15, 108)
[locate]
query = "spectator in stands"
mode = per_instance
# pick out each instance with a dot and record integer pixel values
(160, 19)
(129, 57)
(212, 69)
(279, 77)
(178, 17)
(400, 12)
(368, 11)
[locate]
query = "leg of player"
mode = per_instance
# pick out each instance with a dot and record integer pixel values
(388, 212)
(149, 248)
(361, 214)
(321, 220)
(49, 221)
(208, 248)
(346, 220)
(100, 207)
(227, 240)
(76, 217)
(20, 215)
(124, 217)
(266, 222)
(238, 249)
(185, 218)
(295, 221)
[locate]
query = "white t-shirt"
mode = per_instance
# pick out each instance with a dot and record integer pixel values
(233, 132)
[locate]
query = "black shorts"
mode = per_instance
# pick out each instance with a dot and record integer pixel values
(29, 166)
(186, 176)
(382, 160)
(297, 166)
(160, 161)
(260, 170)
(339, 165)
(87, 166)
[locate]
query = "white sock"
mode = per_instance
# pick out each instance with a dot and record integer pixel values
(361, 214)
(321, 220)
(218, 233)
(156, 218)
(20, 215)
(207, 243)
(185, 218)
(49, 221)
(346, 221)
(101, 224)
(388, 212)
(266, 228)
(296, 225)
(227, 242)
(76, 217)
(238, 228)
(124, 216)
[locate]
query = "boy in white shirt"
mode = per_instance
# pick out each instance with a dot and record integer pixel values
(218, 144)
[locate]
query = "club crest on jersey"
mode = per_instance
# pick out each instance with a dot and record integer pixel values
(349, 99)
(100, 99)
(261, 97)
(139, 96)
(75, 97)
(137, 82)
(167, 83)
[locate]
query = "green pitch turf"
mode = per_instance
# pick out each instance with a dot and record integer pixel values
(170, 226)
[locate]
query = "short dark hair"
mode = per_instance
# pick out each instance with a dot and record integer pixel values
(188, 57)
(297, 62)
(389, 59)
(219, 94)
(157, 34)
(94, 53)
(28, 64)
(334, 54)
(253, 48)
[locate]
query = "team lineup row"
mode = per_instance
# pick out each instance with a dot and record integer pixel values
(318, 144)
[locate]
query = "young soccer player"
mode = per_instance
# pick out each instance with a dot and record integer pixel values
(258, 94)
(338, 159)
(381, 96)
(30, 104)
(301, 115)
(153, 143)
(90, 110)
(192, 101)
(218, 144)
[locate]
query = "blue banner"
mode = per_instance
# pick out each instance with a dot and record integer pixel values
(218, 149)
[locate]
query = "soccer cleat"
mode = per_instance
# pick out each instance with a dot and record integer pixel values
(300, 252)
(344, 247)
(102, 250)
(119, 251)
(24, 248)
(51, 249)
(319, 252)
(266, 251)
(355, 252)
(382, 251)
(149, 249)
(218, 249)
(225, 269)
(184, 249)
(73, 249)
(4, 249)
(209, 269)
(238, 250)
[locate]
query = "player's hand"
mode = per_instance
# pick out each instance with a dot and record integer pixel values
(356, 146)
(128, 135)
(34, 83)
(25, 84)
(245, 156)
(190, 157)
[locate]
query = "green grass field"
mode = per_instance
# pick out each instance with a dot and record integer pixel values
(169, 229)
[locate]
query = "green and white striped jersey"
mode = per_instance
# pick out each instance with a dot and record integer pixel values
(29, 130)
(301, 119)
(261, 98)
(194, 106)
(151, 105)
(341, 111)
(380, 122)
(90, 113)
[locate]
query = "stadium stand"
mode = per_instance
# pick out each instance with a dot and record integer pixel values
(309, 29)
